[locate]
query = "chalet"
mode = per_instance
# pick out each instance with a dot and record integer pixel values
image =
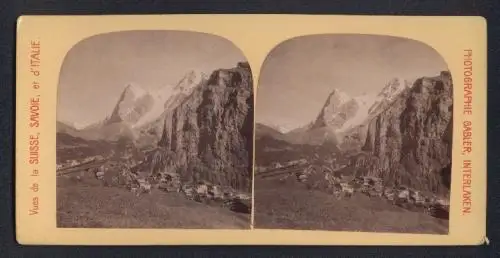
(202, 189)
(277, 165)
(215, 192)
(243, 196)
(347, 189)
(188, 191)
(404, 194)
(389, 194)
(99, 174)
(302, 178)
(417, 197)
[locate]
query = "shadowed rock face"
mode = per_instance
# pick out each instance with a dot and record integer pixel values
(409, 143)
(210, 134)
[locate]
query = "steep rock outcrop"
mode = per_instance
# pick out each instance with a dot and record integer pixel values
(409, 143)
(210, 134)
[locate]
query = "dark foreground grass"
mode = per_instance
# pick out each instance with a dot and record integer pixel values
(87, 203)
(293, 206)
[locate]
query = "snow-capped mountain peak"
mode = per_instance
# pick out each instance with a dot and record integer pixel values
(339, 96)
(334, 110)
(169, 97)
(134, 91)
(132, 104)
(80, 126)
(342, 112)
(278, 128)
(191, 78)
(184, 87)
(393, 88)
(366, 99)
(363, 103)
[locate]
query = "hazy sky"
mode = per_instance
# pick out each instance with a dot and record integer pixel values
(97, 69)
(299, 74)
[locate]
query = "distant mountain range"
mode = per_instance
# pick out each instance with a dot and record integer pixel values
(401, 134)
(201, 128)
(340, 115)
(138, 114)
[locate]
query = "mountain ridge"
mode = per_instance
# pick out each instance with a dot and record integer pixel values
(139, 113)
(343, 115)
(406, 141)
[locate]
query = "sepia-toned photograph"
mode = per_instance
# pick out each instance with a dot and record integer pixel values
(154, 130)
(353, 133)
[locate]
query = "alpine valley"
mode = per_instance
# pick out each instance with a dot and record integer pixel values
(193, 139)
(394, 144)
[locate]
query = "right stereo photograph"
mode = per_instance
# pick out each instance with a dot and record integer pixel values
(353, 133)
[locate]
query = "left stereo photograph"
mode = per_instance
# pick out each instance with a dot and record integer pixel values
(154, 130)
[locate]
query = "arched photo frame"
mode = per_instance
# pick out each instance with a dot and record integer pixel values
(44, 42)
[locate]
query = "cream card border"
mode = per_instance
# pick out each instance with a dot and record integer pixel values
(255, 35)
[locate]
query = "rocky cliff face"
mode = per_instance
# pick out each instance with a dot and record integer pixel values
(210, 134)
(409, 143)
